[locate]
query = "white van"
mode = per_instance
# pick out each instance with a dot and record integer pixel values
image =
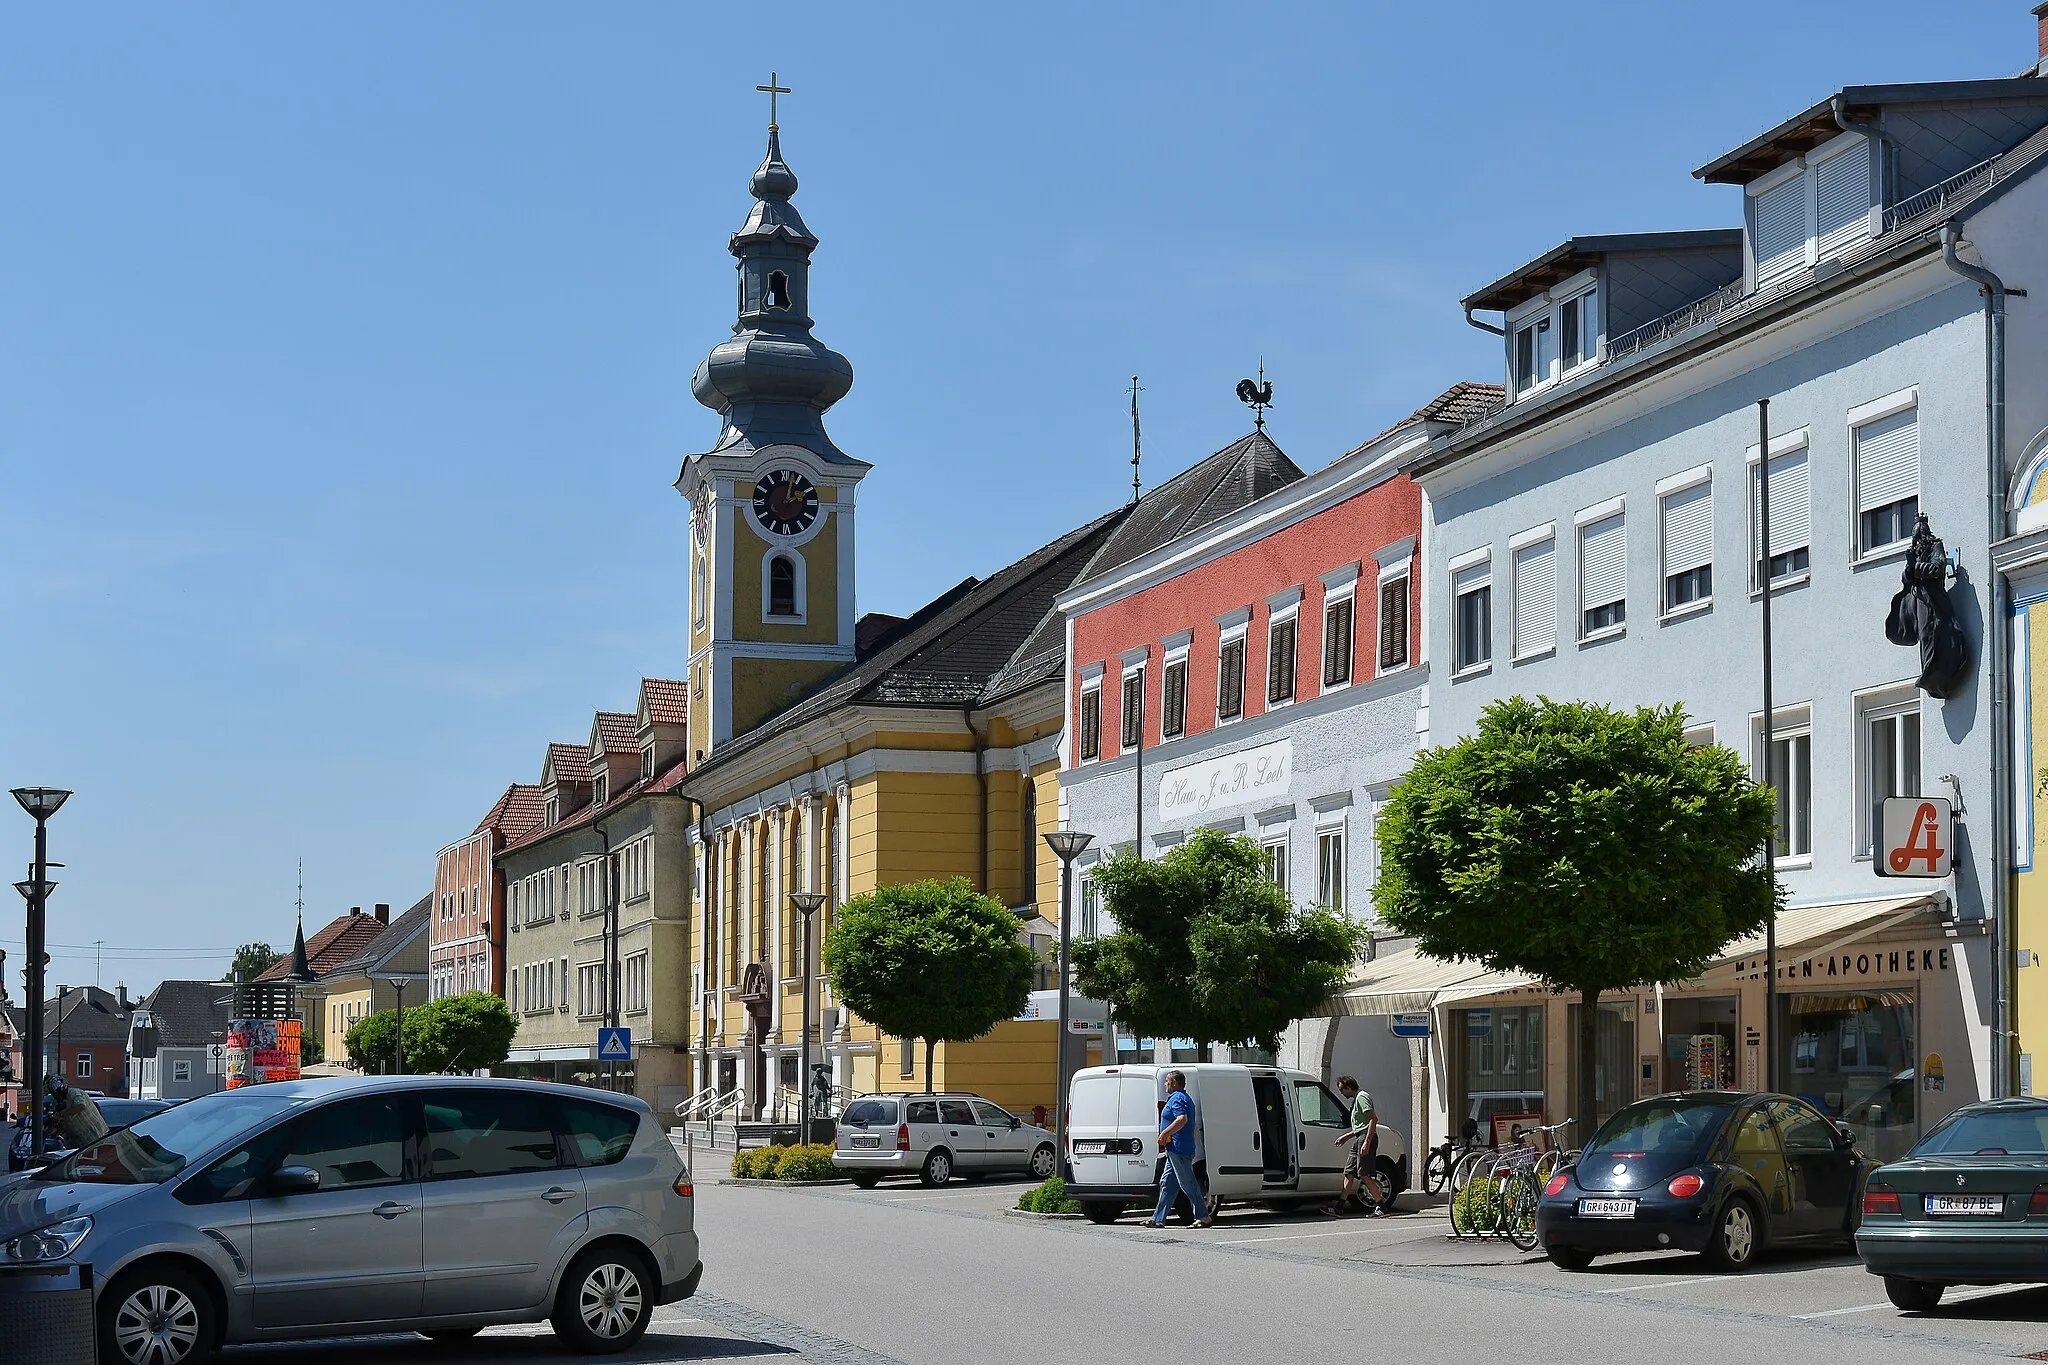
(1263, 1135)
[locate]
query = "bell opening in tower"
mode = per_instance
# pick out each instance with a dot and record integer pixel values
(778, 289)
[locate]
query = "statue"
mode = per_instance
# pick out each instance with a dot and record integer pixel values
(1922, 614)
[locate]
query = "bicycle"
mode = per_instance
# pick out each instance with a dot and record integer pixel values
(1552, 1159)
(1437, 1169)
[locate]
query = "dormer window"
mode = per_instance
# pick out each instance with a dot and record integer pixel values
(1554, 334)
(551, 810)
(778, 289)
(1811, 209)
(646, 762)
(599, 787)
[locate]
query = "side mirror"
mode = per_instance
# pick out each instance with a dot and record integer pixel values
(292, 1180)
(1845, 1136)
(1015, 1123)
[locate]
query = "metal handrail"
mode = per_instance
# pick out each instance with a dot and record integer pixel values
(1936, 197)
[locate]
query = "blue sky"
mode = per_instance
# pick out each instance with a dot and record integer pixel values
(344, 351)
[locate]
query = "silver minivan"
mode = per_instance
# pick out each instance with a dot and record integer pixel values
(936, 1137)
(434, 1204)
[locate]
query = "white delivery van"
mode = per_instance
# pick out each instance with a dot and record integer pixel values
(1263, 1135)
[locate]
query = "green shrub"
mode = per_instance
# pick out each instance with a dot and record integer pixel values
(812, 1162)
(1051, 1197)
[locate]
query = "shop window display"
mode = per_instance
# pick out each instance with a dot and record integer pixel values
(1852, 1056)
(1501, 1065)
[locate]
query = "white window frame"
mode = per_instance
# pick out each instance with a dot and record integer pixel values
(800, 588)
(1334, 826)
(1283, 609)
(1132, 671)
(1340, 586)
(1806, 170)
(1859, 417)
(1236, 626)
(1614, 509)
(1888, 703)
(1791, 442)
(82, 1066)
(1398, 571)
(1699, 736)
(1176, 654)
(1091, 683)
(1790, 723)
(1667, 489)
(1520, 651)
(1545, 313)
(1274, 844)
(181, 1071)
(1471, 559)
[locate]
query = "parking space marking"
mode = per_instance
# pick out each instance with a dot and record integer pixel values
(1841, 1312)
(927, 1198)
(1956, 1296)
(1291, 1237)
(1663, 1284)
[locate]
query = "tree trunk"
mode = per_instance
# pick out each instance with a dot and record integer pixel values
(1589, 1062)
(931, 1047)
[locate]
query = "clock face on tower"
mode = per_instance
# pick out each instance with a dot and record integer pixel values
(785, 503)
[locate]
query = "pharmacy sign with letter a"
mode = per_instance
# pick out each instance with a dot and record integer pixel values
(1916, 837)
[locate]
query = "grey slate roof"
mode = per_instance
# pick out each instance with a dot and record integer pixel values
(988, 639)
(1563, 261)
(90, 1015)
(190, 1013)
(1805, 131)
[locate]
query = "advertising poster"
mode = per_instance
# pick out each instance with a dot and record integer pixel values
(262, 1050)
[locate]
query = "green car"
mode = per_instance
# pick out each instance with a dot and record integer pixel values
(1968, 1205)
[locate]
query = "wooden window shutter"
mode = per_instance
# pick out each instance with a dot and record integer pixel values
(1394, 622)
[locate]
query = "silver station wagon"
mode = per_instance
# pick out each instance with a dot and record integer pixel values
(936, 1137)
(434, 1204)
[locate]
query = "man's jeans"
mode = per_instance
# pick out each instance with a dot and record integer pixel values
(1179, 1178)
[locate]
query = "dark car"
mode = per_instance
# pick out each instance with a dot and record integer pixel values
(1968, 1205)
(117, 1113)
(1718, 1172)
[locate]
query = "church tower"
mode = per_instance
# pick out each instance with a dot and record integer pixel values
(771, 504)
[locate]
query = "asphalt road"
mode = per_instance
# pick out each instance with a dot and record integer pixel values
(838, 1276)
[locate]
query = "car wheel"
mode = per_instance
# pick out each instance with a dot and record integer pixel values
(605, 1302)
(1913, 1296)
(1101, 1211)
(1390, 1183)
(1569, 1258)
(449, 1334)
(938, 1167)
(1042, 1162)
(867, 1180)
(1738, 1234)
(156, 1317)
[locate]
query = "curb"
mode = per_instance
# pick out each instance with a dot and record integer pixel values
(781, 1184)
(1033, 1213)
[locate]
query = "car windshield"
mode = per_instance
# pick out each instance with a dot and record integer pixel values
(1675, 1126)
(158, 1147)
(862, 1113)
(2011, 1132)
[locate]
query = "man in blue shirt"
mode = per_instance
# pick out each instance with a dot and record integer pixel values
(1177, 1140)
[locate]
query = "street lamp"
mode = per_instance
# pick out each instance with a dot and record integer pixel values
(1068, 844)
(398, 984)
(41, 803)
(806, 903)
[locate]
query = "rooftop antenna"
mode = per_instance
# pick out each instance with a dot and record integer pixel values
(1137, 444)
(1256, 396)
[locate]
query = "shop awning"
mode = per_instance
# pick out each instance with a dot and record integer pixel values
(1407, 980)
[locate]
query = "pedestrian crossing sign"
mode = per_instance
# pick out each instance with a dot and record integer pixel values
(615, 1045)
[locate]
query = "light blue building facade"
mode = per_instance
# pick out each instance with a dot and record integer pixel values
(1596, 537)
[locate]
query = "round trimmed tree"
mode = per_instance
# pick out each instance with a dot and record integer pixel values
(935, 960)
(1591, 848)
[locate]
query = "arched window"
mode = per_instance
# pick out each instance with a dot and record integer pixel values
(781, 586)
(778, 289)
(1030, 840)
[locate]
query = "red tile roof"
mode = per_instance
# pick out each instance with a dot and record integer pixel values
(664, 701)
(617, 731)
(1462, 402)
(516, 812)
(569, 762)
(335, 943)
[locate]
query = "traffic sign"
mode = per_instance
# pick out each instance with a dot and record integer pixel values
(1917, 837)
(1410, 1024)
(615, 1045)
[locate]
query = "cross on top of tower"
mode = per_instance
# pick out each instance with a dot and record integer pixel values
(771, 90)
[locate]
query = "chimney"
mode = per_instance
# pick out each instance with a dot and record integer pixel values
(354, 910)
(383, 914)
(121, 994)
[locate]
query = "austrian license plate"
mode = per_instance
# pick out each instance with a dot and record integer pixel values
(1091, 1149)
(867, 1141)
(1982, 1205)
(1607, 1208)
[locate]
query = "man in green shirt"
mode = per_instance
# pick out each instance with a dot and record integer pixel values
(1363, 1138)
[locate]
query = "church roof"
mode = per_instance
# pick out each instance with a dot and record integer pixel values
(986, 640)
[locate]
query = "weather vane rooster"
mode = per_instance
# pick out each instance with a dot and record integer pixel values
(1257, 395)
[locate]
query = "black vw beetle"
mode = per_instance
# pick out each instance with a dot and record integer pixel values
(1719, 1172)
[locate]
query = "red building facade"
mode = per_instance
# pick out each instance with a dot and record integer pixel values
(466, 938)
